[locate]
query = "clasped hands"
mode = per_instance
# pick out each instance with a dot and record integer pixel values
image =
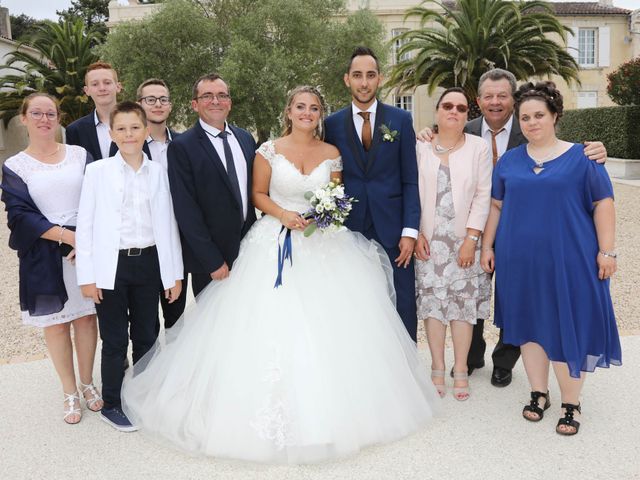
(466, 253)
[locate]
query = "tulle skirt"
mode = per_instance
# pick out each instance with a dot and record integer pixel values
(315, 369)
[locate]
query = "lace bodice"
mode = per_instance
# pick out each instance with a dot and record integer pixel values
(288, 185)
(55, 188)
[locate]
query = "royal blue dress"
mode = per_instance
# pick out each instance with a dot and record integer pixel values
(547, 286)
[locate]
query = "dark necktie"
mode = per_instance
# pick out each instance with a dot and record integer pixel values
(366, 130)
(231, 169)
(494, 145)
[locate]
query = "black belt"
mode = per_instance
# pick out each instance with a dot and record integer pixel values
(136, 252)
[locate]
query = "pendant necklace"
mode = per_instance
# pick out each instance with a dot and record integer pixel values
(539, 164)
(442, 150)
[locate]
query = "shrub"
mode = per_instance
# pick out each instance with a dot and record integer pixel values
(617, 127)
(624, 83)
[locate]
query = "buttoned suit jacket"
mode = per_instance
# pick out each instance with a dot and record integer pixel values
(208, 213)
(383, 179)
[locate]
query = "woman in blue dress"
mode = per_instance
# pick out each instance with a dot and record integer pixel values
(552, 224)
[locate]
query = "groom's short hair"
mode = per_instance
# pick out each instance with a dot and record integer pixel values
(360, 52)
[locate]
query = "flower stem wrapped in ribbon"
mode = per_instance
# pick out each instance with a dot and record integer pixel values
(330, 207)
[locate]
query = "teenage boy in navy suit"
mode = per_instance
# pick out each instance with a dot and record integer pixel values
(127, 249)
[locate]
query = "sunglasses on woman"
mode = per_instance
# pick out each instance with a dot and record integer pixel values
(447, 106)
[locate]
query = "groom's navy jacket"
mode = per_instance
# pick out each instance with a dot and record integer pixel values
(206, 209)
(384, 180)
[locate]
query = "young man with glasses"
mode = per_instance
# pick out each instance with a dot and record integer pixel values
(209, 169)
(154, 98)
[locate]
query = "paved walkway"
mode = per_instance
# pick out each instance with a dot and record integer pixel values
(484, 438)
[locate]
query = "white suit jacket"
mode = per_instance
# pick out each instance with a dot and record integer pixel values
(99, 222)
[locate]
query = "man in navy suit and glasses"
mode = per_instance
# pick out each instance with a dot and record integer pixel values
(378, 147)
(209, 169)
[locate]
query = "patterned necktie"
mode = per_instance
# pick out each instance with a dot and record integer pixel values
(366, 130)
(494, 146)
(231, 170)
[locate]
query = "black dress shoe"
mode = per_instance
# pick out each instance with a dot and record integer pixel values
(501, 377)
(470, 368)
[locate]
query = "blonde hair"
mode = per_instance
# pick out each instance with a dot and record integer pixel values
(291, 95)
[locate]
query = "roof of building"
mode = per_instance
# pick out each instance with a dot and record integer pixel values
(575, 8)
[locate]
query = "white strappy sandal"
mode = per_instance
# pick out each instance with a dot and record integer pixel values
(93, 399)
(70, 400)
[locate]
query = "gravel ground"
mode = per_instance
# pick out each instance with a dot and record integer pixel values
(20, 343)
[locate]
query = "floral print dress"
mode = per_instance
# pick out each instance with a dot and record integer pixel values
(444, 290)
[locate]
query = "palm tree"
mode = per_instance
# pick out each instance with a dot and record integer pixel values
(63, 55)
(472, 36)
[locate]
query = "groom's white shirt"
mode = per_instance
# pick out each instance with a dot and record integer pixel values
(100, 222)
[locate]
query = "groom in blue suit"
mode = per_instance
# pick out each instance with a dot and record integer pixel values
(378, 148)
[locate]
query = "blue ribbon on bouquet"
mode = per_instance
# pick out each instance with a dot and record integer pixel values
(284, 252)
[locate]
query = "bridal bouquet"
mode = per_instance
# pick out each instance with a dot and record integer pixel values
(330, 207)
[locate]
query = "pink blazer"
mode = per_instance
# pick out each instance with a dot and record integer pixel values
(470, 168)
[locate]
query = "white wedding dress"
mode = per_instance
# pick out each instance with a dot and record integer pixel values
(312, 370)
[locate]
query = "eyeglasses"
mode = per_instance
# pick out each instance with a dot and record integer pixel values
(151, 100)
(36, 115)
(447, 106)
(208, 97)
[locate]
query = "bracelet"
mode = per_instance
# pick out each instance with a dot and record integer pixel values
(487, 249)
(608, 254)
(475, 238)
(62, 229)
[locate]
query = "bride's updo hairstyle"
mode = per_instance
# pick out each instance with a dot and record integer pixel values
(544, 91)
(291, 95)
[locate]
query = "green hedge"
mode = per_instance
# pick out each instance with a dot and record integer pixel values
(617, 127)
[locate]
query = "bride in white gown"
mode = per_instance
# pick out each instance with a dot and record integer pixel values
(309, 371)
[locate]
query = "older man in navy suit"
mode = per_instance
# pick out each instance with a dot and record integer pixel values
(209, 169)
(378, 147)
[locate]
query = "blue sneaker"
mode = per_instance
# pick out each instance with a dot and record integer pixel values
(117, 419)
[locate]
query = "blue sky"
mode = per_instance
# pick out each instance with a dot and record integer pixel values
(47, 9)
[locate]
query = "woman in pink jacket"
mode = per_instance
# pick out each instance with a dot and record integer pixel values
(455, 194)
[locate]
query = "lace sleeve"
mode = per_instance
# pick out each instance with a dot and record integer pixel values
(267, 150)
(336, 164)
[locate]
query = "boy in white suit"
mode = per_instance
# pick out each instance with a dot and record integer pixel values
(127, 248)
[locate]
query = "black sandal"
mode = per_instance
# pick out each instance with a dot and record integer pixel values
(534, 407)
(568, 419)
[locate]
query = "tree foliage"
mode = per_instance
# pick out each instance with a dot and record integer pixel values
(63, 55)
(456, 44)
(94, 14)
(23, 26)
(262, 48)
(624, 83)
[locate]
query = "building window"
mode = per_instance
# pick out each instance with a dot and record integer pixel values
(587, 47)
(587, 99)
(405, 102)
(397, 43)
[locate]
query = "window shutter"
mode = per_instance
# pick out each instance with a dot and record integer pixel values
(604, 46)
(572, 43)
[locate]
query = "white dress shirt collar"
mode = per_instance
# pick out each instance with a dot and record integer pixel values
(211, 130)
(122, 162)
(372, 108)
(507, 126)
(169, 138)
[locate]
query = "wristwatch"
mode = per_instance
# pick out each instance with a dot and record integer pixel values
(475, 238)
(608, 254)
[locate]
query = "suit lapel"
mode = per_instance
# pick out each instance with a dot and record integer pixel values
(515, 137)
(93, 134)
(376, 135)
(352, 138)
(248, 156)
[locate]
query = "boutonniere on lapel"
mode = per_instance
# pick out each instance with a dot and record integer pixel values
(388, 135)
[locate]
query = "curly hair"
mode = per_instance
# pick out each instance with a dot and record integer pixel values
(291, 95)
(544, 91)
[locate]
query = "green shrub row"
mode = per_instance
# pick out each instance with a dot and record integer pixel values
(617, 127)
